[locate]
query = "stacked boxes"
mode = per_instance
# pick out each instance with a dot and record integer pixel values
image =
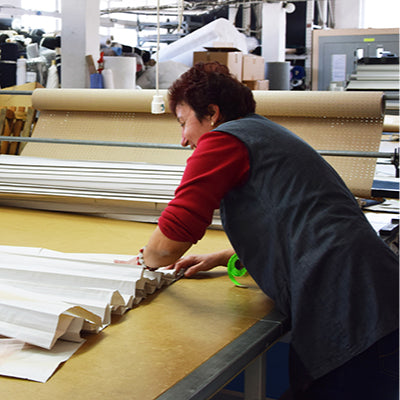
(229, 56)
(253, 67)
(253, 72)
(247, 68)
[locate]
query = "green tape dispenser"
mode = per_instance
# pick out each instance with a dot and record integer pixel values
(236, 269)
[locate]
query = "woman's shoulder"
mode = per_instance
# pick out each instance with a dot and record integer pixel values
(217, 138)
(245, 121)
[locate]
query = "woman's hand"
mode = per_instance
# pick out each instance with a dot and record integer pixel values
(202, 262)
(131, 261)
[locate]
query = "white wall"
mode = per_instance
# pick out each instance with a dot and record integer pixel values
(367, 14)
(348, 14)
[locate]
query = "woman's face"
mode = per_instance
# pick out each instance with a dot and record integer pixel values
(192, 128)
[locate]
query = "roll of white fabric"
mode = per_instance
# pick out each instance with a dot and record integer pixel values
(52, 77)
(124, 71)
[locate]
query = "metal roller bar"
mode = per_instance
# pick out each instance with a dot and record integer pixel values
(391, 96)
(94, 142)
(17, 92)
(394, 157)
(363, 154)
(339, 153)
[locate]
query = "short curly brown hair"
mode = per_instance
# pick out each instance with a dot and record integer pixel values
(211, 83)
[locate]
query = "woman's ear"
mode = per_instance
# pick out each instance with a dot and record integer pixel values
(214, 112)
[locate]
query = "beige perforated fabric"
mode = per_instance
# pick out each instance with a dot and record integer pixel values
(326, 120)
(108, 126)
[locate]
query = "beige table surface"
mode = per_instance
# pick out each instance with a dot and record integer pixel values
(153, 346)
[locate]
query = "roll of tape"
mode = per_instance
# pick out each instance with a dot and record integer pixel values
(235, 269)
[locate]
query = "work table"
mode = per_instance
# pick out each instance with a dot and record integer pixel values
(188, 338)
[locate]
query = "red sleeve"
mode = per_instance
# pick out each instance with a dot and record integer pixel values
(219, 163)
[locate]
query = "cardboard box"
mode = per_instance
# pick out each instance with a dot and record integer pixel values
(253, 68)
(257, 85)
(229, 56)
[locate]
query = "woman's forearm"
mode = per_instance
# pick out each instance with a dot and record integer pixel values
(161, 251)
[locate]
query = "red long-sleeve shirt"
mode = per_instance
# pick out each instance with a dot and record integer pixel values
(219, 163)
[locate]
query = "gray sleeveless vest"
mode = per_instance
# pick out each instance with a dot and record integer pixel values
(301, 235)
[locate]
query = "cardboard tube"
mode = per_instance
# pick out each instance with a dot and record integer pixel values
(320, 104)
(112, 100)
(269, 103)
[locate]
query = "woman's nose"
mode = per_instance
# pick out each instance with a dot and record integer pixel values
(184, 141)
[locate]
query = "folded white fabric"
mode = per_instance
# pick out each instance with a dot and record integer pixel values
(48, 297)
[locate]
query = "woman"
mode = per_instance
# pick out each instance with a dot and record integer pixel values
(295, 227)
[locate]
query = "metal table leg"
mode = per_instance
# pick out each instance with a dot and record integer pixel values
(254, 379)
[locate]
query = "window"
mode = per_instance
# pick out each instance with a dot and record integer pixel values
(47, 21)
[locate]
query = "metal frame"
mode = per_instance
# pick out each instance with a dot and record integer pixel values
(246, 353)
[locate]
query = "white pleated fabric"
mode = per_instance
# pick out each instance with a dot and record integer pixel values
(47, 295)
